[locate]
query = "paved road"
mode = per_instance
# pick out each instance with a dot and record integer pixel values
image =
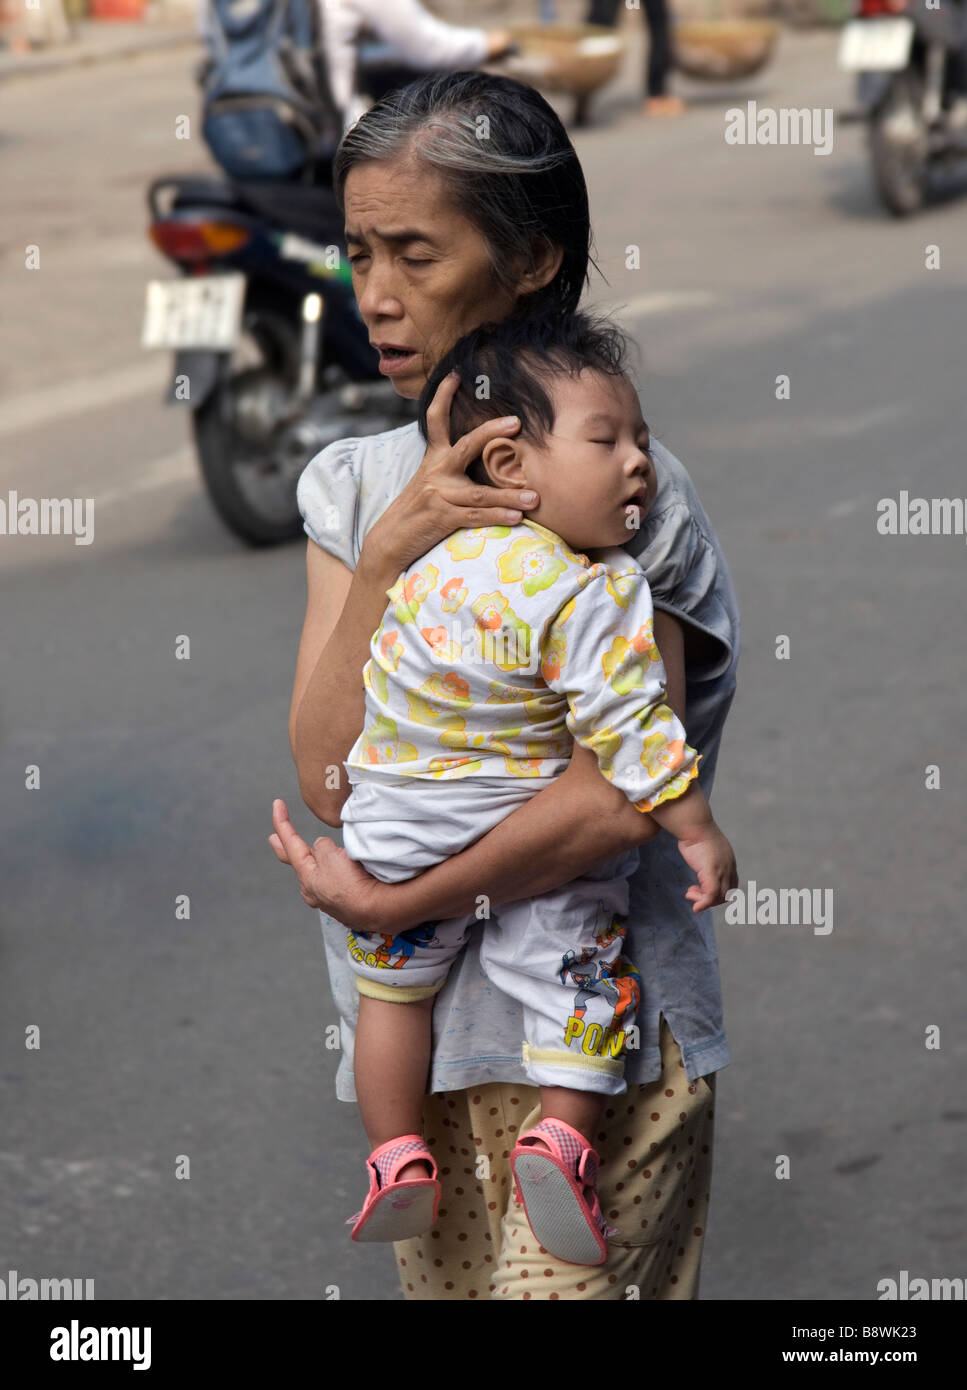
(163, 1037)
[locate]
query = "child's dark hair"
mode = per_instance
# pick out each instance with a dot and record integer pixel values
(504, 368)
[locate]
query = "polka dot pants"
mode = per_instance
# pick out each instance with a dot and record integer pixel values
(655, 1145)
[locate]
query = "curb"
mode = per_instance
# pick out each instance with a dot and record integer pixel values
(81, 55)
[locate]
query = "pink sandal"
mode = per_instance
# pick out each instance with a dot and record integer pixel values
(558, 1193)
(397, 1210)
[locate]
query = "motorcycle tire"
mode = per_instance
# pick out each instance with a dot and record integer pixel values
(231, 466)
(900, 168)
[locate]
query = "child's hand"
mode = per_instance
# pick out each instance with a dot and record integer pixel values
(709, 855)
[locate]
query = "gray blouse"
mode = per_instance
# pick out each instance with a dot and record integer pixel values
(478, 1030)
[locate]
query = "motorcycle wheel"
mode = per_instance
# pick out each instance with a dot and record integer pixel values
(900, 165)
(251, 480)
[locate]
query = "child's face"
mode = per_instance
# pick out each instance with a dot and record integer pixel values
(594, 476)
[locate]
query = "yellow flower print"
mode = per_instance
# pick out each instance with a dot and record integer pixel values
(501, 694)
(661, 713)
(468, 543)
(671, 789)
(533, 560)
(605, 744)
(443, 648)
(546, 708)
(489, 610)
(620, 587)
(549, 749)
(454, 593)
(502, 637)
(451, 768)
(565, 613)
(407, 594)
(432, 705)
(557, 746)
(374, 679)
(523, 767)
(627, 663)
(390, 650)
(492, 741)
(658, 755)
(381, 743)
(555, 654)
(451, 688)
(538, 709)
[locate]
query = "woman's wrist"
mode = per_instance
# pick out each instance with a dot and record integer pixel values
(376, 568)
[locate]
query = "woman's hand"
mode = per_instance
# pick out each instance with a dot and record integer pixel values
(440, 499)
(328, 878)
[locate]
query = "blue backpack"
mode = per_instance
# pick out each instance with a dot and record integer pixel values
(268, 110)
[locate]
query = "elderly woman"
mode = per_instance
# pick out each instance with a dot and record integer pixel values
(465, 202)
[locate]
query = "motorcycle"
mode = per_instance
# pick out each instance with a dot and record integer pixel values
(271, 354)
(905, 54)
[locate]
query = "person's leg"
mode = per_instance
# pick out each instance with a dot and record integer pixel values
(579, 1109)
(391, 1060)
(559, 954)
(659, 47)
(604, 12)
(470, 1134)
(655, 1144)
(397, 979)
(656, 1147)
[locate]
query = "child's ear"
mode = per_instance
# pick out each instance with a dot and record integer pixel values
(501, 461)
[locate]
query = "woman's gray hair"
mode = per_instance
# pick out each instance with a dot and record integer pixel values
(509, 166)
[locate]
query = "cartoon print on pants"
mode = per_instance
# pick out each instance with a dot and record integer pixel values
(618, 983)
(395, 950)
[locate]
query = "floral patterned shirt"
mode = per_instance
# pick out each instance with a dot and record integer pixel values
(499, 647)
(477, 1030)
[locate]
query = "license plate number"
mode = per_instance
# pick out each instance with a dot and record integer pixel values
(203, 311)
(875, 45)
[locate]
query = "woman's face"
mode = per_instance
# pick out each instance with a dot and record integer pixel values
(421, 272)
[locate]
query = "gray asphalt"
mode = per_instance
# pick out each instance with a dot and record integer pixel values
(162, 1037)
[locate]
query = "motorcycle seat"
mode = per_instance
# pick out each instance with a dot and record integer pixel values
(309, 211)
(186, 190)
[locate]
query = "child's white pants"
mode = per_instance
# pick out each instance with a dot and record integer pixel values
(558, 953)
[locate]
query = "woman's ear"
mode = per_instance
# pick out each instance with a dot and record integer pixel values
(502, 463)
(546, 263)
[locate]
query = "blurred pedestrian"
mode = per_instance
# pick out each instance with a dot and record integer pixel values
(419, 38)
(657, 101)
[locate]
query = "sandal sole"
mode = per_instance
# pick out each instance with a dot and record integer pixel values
(555, 1213)
(389, 1220)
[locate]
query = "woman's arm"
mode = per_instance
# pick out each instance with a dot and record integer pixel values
(577, 821)
(423, 40)
(343, 610)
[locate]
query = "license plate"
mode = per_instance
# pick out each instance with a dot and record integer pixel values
(203, 311)
(875, 45)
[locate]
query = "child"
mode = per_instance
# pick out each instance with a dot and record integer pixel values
(498, 647)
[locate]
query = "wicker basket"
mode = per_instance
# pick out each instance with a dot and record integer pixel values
(577, 58)
(716, 50)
